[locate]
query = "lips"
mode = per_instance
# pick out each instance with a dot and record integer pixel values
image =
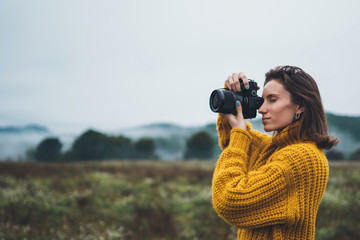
(265, 119)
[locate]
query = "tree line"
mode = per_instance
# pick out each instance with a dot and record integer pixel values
(94, 145)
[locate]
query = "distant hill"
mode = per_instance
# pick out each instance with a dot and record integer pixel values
(348, 124)
(347, 129)
(155, 130)
(170, 139)
(30, 128)
(16, 140)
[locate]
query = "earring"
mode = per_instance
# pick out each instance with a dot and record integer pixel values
(297, 115)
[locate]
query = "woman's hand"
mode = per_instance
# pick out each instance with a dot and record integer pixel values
(233, 84)
(237, 121)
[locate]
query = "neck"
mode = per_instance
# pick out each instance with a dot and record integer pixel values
(287, 135)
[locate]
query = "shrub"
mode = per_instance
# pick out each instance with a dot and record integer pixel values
(355, 155)
(335, 155)
(200, 146)
(48, 150)
(144, 148)
(94, 145)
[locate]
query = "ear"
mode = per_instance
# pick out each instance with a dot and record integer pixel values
(299, 109)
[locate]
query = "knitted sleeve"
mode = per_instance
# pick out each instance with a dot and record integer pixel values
(249, 199)
(224, 128)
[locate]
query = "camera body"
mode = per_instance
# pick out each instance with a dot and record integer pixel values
(223, 100)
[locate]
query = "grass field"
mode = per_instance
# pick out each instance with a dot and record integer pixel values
(143, 200)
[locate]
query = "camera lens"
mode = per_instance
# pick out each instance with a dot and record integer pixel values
(216, 101)
(223, 101)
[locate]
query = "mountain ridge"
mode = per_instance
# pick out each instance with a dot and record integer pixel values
(170, 139)
(33, 127)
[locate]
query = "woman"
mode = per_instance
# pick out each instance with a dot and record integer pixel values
(271, 187)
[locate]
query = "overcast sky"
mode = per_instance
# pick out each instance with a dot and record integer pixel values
(71, 65)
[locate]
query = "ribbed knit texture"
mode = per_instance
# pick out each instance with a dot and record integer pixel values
(268, 187)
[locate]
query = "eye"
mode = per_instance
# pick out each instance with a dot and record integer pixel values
(272, 100)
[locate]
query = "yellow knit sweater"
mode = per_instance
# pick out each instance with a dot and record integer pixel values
(268, 187)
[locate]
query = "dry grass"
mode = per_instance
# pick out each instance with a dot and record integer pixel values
(142, 200)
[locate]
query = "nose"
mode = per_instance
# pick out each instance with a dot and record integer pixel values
(262, 110)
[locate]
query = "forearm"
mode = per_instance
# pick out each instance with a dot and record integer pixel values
(223, 129)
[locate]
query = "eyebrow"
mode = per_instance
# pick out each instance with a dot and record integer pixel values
(272, 95)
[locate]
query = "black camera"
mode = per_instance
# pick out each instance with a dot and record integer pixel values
(223, 101)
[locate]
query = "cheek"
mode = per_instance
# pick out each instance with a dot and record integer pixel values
(284, 111)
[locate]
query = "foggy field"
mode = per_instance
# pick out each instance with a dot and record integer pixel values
(143, 200)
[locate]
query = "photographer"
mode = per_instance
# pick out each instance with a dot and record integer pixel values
(270, 187)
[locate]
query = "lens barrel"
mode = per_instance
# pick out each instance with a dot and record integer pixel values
(223, 101)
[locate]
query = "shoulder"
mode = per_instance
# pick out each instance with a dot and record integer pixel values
(303, 150)
(301, 155)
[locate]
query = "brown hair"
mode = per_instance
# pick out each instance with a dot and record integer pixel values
(305, 93)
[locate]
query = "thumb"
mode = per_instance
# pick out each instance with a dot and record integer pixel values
(239, 110)
(240, 121)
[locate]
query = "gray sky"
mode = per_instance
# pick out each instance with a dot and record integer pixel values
(75, 64)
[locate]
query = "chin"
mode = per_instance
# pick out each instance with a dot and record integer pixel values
(267, 129)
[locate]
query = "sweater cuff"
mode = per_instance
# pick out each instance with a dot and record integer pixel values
(222, 122)
(248, 126)
(240, 138)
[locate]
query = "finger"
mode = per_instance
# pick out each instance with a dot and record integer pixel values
(239, 111)
(236, 84)
(227, 83)
(231, 83)
(244, 79)
(240, 121)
